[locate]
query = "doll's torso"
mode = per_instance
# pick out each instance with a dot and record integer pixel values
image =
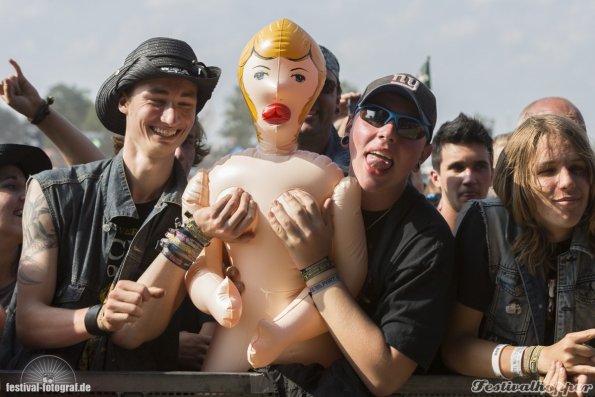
(270, 277)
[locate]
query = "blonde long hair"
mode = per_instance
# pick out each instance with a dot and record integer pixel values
(515, 182)
(283, 39)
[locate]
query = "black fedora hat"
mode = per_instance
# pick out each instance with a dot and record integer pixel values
(154, 58)
(30, 159)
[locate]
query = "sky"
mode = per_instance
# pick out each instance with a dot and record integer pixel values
(488, 57)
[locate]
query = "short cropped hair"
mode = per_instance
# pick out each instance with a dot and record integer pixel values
(463, 130)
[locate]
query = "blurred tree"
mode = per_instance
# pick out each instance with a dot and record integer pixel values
(13, 129)
(74, 104)
(237, 129)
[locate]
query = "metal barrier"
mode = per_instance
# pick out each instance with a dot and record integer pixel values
(157, 384)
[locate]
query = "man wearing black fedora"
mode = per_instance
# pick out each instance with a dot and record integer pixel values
(89, 264)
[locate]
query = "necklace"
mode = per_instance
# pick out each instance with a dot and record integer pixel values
(378, 219)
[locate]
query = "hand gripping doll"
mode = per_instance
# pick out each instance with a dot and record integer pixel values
(281, 72)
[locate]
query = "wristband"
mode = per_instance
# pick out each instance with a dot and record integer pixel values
(533, 370)
(516, 359)
(527, 359)
(496, 360)
(316, 268)
(324, 284)
(42, 111)
(91, 321)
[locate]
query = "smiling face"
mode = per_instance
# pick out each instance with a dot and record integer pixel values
(12, 198)
(279, 90)
(159, 114)
(382, 160)
(563, 191)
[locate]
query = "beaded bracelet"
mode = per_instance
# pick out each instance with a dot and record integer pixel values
(183, 244)
(316, 268)
(91, 324)
(42, 111)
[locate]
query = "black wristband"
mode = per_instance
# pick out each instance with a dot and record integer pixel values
(91, 321)
(42, 111)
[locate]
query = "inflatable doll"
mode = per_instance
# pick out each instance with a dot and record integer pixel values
(281, 72)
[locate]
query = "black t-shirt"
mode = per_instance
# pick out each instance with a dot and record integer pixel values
(408, 293)
(408, 290)
(475, 288)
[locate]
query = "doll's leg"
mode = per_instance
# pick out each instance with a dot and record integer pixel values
(210, 291)
(298, 322)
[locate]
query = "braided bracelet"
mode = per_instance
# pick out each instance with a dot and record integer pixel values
(316, 268)
(193, 228)
(42, 111)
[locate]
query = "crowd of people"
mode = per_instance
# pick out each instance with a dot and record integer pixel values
(494, 278)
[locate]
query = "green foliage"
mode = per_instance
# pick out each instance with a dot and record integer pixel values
(237, 129)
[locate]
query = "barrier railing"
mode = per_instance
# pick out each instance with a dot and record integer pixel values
(157, 384)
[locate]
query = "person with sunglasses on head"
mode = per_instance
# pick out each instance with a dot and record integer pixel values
(398, 320)
(318, 133)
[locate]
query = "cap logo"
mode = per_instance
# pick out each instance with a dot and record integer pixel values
(173, 69)
(406, 81)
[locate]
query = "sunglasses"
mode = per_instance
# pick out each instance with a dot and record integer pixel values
(407, 127)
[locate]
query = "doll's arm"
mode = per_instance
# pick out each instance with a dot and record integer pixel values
(349, 253)
(208, 289)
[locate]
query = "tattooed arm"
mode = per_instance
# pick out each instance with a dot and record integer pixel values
(38, 324)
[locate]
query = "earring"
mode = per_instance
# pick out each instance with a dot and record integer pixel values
(417, 166)
(345, 141)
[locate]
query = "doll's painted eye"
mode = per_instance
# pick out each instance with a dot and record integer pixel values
(260, 75)
(300, 78)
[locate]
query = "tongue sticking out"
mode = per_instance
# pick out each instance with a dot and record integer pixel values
(378, 162)
(276, 114)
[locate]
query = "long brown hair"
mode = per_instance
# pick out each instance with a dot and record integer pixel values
(515, 182)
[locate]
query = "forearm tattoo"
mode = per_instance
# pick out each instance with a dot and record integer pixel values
(38, 236)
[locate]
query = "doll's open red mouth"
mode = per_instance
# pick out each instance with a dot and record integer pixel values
(276, 113)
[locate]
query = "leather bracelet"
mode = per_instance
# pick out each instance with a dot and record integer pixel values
(42, 111)
(91, 324)
(316, 268)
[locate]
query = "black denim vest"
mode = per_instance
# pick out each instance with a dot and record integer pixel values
(517, 312)
(84, 202)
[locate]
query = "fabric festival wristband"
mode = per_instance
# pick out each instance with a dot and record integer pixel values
(516, 359)
(527, 360)
(496, 360)
(324, 284)
(533, 370)
(91, 321)
(317, 268)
